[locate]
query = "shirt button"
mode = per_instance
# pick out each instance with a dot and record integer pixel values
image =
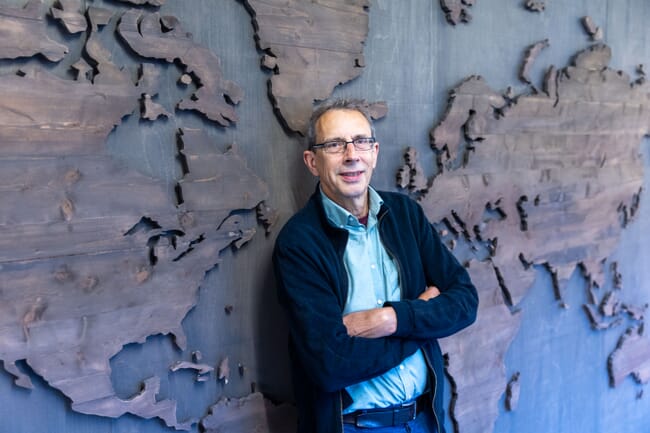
(373, 266)
(380, 302)
(401, 367)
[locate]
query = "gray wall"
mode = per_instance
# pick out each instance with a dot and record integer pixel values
(413, 58)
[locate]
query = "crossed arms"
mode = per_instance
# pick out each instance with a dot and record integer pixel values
(379, 322)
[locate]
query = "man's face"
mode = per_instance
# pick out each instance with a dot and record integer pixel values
(344, 176)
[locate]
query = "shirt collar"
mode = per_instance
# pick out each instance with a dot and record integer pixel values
(341, 218)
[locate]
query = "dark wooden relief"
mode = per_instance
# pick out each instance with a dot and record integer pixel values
(267, 216)
(513, 392)
(145, 2)
(478, 376)
(411, 175)
(209, 176)
(98, 16)
(151, 110)
(592, 30)
(69, 13)
(531, 55)
(311, 47)
(631, 357)
(95, 255)
(202, 370)
(27, 25)
(249, 414)
(535, 6)
(457, 11)
(632, 354)
(548, 178)
(153, 36)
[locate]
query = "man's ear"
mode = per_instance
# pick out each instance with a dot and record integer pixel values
(374, 164)
(309, 158)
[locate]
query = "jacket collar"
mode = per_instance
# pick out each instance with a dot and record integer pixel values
(316, 201)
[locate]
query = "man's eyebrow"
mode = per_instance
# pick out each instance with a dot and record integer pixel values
(354, 137)
(333, 139)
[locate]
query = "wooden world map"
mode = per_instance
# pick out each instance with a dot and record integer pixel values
(95, 255)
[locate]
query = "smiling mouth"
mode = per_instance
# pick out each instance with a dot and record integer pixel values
(352, 175)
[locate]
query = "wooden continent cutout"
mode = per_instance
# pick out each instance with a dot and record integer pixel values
(315, 46)
(563, 172)
(95, 255)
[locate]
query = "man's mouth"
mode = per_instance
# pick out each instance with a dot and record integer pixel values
(351, 176)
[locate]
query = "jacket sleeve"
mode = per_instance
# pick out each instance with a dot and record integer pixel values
(307, 291)
(456, 306)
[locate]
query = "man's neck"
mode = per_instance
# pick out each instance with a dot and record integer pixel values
(357, 207)
(362, 213)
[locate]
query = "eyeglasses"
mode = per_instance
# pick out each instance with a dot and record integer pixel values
(362, 144)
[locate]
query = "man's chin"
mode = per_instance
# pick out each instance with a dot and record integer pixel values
(354, 191)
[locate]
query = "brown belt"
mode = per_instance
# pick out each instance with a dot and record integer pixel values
(388, 417)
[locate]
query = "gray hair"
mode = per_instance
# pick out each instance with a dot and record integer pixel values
(360, 105)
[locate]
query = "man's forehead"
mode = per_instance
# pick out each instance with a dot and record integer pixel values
(346, 121)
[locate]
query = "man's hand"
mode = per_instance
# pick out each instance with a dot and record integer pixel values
(379, 322)
(429, 293)
(374, 323)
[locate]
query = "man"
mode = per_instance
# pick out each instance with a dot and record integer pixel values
(368, 288)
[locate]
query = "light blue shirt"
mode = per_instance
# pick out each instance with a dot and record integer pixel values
(373, 279)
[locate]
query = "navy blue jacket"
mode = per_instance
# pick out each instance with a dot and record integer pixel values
(312, 286)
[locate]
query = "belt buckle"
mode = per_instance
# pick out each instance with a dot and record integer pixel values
(406, 413)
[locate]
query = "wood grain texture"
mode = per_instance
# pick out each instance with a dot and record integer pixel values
(68, 12)
(317, 45)
(630, 358)
(478, 376)
(163, 38)
(249, 414)
(95, 255)
(563, 172)
(74, 164)
(27, 25)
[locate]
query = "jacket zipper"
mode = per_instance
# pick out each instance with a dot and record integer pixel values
(433, 396)
(398, 265)
(426, 357)
(341, 411)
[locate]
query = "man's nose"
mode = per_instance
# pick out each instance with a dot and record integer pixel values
(350, 152)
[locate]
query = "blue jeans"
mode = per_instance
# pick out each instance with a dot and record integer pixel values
(423, 423)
